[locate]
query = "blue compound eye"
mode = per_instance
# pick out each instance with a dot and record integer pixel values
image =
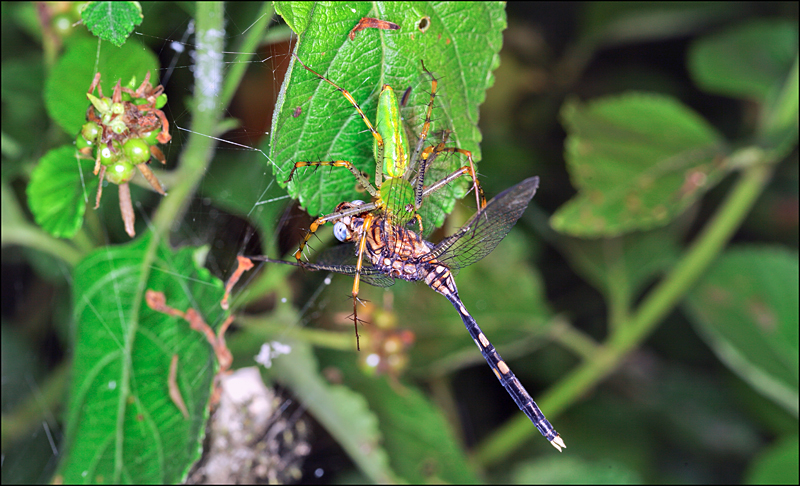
(340, 231)
(357, 202)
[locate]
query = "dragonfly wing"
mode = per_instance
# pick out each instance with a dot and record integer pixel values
(486, 229)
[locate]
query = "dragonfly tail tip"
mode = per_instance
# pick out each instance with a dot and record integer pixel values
(558, 443)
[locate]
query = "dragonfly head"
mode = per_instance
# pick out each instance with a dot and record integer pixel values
(349, 227)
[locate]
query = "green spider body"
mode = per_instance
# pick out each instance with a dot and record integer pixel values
(396, 196)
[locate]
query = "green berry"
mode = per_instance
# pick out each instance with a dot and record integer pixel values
(137, 151)
(151, 137)
(81, 143)
(161, 101)
(109, 156)
(91, 131)
(120, 172)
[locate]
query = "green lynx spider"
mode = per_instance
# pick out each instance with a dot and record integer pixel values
(395, 198)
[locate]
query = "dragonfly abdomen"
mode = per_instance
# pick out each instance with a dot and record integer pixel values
(507, 378)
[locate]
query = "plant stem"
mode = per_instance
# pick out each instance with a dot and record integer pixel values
(18, 231)
(206, 113)
(660, 302)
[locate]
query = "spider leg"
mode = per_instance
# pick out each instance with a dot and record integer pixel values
(427, 125)
(346, 94)
(362, 245)
(360, 176)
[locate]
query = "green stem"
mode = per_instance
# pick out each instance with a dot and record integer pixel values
(31, 412)
(260, 328)
(18, 231)
(656, 305)
(199, 149)
(618, 288)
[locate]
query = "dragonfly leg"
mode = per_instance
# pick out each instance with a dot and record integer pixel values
(361, 177)
(330, 217)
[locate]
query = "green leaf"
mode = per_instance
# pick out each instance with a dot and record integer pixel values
(638, 160)
(779, 130)
(755, 61)
(61, 185)
(634, 257)
(112, 21)
(747, 61)
(566, 469)
(314, 122)
(418, 439)
(69, 80)
(297, 15)
(121, 424)
(343, 413)
(746, 308)
(776, 465)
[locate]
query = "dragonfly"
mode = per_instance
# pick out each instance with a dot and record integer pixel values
(396, 252)
(398, 191)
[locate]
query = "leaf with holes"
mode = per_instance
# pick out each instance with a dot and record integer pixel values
(459, 44)
(637, 160)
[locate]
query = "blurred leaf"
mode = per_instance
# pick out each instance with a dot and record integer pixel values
(776, 465)
(615, 23)
(121, 424)
(746, 61)
(60, 187)
(343, 412)
(746, 308)
(571, 469)
(638, 160)
(23, 108)
(112, 21)
(69, 80)
(756, 61)
(637, 257)
(417, 438)
(460, 47)
(780, 128)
